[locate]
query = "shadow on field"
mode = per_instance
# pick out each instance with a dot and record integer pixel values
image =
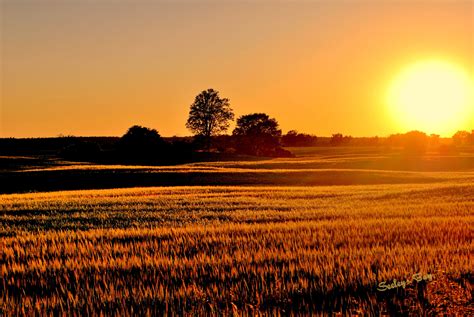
(51, 180)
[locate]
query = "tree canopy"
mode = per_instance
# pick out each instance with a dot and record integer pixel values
(209, 114)
(294, 138)
(258, 134)
(141, 142)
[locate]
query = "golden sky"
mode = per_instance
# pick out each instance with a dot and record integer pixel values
(84, 67)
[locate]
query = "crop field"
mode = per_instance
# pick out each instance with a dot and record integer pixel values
(311, 167)
(274, 248)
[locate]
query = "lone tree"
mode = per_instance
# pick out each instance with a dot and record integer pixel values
(209, 115)
(257, 134)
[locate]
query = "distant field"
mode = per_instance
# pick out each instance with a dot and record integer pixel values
(244, 249)
(315, 234)
(316, 166)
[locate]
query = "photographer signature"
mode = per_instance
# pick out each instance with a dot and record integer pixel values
(418, 277)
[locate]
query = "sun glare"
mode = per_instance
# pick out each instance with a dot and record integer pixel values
(432, 96)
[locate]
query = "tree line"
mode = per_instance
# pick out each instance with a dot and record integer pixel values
(210, 116)
(255, 134)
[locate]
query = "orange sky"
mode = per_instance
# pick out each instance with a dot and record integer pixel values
(83, 67)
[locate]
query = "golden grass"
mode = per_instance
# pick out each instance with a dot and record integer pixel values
(232, 249)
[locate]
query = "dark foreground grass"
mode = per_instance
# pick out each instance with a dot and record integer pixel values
(313, 167)
(110, 177)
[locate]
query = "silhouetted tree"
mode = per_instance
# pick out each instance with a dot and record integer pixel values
(373, 141)
(415, 142)
(336, 139)
(293, 138)
(461, 138)
(224, 143)
(209, 115)
(141, 143)
(257, 134)
(339, 139)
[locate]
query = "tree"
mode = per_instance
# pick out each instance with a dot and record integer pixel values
(415, 142)
(293, 138)
(257, 134)
(141, 142)
(336, 139)
(461, 138)
(339, 139)
(209, 115)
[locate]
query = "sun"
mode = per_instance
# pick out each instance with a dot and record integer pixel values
(433, 96)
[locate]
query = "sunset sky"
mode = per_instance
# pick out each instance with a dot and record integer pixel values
(97, 67)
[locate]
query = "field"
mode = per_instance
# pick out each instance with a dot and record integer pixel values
(268, 237)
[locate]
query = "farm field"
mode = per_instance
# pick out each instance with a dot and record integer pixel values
(312, 167)
(244, 250)
(237, 158)
(316, 234)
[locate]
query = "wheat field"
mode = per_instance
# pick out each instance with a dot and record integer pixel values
(245, 250)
